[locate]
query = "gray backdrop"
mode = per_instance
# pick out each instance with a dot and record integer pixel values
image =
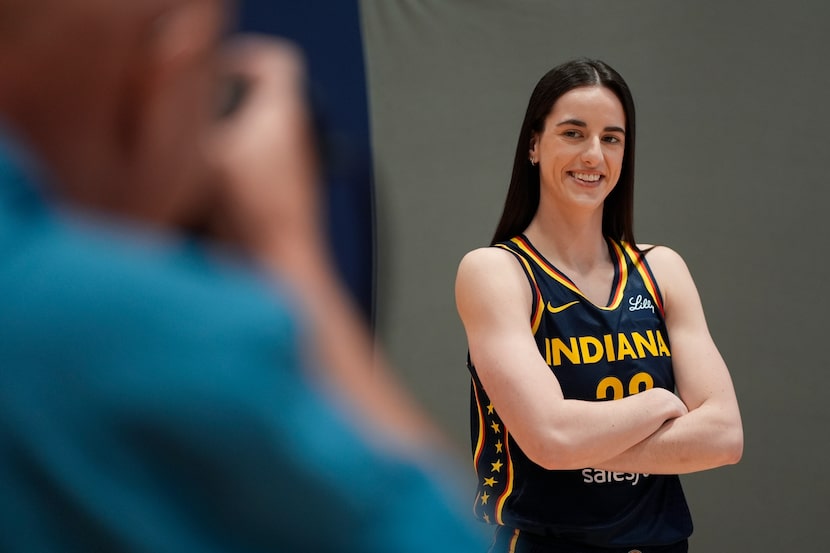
(732, 159)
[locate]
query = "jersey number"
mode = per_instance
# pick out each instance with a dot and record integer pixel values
(640, 382)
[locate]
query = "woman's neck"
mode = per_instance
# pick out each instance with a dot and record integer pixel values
(573, 241)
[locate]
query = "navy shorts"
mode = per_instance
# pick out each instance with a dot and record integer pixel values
(510, 540)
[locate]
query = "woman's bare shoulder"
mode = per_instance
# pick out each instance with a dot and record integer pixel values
(490, 257)
(489, 268)
(669, 268)
(661, 257)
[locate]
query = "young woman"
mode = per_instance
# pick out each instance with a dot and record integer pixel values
(564, 313)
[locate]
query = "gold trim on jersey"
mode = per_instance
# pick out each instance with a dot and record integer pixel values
(648, 280)
(508, 489)
(481, 431)
(622, 269)
(514, 540)
(538, 307)
(501, 474)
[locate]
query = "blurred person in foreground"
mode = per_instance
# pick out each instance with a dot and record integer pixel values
(159, 392)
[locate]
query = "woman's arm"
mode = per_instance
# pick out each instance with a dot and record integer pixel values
(494, 302)
(710, 434)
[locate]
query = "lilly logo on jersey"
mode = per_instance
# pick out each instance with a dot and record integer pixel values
(639, 303)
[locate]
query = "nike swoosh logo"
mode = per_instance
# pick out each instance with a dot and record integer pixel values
(561, 308)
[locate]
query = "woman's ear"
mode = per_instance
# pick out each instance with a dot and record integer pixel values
(533, 154)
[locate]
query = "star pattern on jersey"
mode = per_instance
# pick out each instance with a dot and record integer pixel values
(491, 485)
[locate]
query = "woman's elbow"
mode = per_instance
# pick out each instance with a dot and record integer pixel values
(731, 445)
(559, 460)
(554, 452)
(735, 447)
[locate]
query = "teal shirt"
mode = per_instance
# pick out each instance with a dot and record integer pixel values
(153, 399)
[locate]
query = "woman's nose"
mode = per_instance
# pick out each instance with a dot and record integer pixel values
(592, 154)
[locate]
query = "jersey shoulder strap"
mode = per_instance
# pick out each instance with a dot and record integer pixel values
(537, 306)
(637, 262)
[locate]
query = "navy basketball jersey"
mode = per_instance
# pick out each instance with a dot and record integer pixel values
(598, 353)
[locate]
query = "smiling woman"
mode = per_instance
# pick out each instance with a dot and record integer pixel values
(579, 152)
(523, 194)
(578, 338)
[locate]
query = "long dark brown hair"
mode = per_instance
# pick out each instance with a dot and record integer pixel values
(522, 199)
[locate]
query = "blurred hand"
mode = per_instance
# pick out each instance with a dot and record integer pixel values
(265, 155)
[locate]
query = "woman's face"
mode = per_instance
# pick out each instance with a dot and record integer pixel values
(580, 150)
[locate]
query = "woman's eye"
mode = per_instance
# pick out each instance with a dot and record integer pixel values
(612, 140)
(571, 134)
